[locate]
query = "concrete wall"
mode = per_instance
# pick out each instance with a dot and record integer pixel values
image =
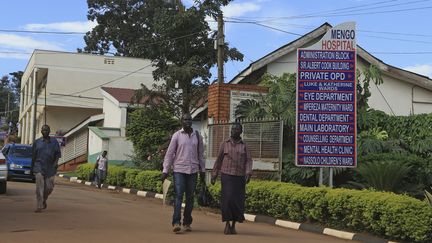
(285, 64)
(64, 118)
(95, 143)
(118, 148)
(113, 114)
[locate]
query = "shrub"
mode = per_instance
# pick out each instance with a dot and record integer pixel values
(116, 175)
(83, 171)
(417, 179)
(385, 214)
(148, 181)
(130, 177)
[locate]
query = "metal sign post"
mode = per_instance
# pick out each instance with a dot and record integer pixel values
(321, 175)
(331, 177)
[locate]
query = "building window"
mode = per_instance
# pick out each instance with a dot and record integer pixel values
(108, 61)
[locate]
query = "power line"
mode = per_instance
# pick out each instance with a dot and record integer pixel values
(379, 12)
(397, 39)
(263, 25)
(402, 53)
(337, 12)
(111, 81)
(176, 38)
(310, 27)
(144, 44)
(42, 32)
(393, 33)
(327, 11)
(284, 31)
(347, 10)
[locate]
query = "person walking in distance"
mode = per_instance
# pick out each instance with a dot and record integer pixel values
(185, 156)
(235, 164)
(101, 168)
(45, 156)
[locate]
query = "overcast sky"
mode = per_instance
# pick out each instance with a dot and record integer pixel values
(395, 31)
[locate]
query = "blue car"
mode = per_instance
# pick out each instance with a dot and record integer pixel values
(18, 159)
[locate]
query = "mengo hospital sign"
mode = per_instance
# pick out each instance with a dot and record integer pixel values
(326, 100)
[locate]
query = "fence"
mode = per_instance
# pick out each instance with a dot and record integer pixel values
(263, 138)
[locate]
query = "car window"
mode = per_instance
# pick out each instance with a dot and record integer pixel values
(5, 150)
(23, 152)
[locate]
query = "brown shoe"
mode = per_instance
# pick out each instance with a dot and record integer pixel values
(39, 210)
(187, 228)
(176, 228)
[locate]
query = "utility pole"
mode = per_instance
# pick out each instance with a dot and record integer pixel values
(220, 48)
(7, 105)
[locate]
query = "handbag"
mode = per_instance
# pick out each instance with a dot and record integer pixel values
(204, 196)
(92, 176)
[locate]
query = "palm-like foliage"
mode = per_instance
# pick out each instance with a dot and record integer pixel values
(372, 141)
(383, 176)
(278, 103)
(249, 109)
(428, 196)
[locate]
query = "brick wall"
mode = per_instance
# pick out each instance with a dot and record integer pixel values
(72, 164)
(219, 98)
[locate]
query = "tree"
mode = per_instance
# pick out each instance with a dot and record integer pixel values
(177, 39)
(278, 103)
(10, 86)
(150, 129)
(364, 79)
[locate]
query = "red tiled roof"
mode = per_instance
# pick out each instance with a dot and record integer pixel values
(125, 95)
(120, 94)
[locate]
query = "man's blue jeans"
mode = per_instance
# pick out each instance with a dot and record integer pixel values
(184, 184)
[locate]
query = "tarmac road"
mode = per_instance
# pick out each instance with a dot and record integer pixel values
(79, 213)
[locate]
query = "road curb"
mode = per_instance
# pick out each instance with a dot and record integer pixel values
(254, 218)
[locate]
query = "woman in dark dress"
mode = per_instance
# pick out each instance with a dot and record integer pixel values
(235, 164)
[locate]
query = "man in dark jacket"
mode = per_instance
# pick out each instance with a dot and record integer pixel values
(46, 153)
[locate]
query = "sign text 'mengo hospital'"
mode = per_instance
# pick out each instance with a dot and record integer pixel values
(326, 100)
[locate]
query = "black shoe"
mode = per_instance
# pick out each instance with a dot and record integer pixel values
(233, 230)
(227, 229)
(44, 205)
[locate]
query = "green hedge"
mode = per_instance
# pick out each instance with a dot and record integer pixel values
(83, 171)
(132, 178)
(385, 214)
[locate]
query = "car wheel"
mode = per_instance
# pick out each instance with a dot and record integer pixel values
(3, 187)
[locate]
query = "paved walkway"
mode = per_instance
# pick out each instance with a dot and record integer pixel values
(78, 213)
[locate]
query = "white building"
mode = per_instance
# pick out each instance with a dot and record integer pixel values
(62, 89)
(106, 131)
